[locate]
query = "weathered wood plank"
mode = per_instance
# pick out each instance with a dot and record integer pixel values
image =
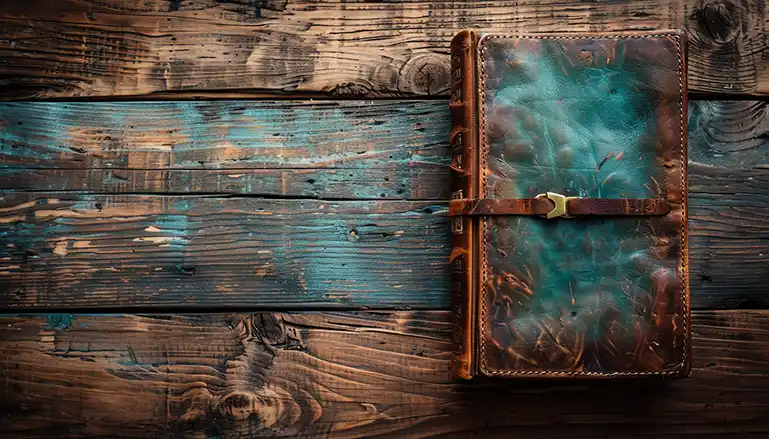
(398, 181)
(347, 375)
(729, 200)
(113, 47)
(387, 151)
(339, 150)
(122, 150)
(222, 134)
(74, 250)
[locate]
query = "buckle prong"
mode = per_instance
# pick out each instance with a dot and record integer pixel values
(560, 205)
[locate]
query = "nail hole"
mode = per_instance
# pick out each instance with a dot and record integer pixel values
(187, 270)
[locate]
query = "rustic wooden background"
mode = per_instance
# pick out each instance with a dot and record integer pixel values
(226, 219)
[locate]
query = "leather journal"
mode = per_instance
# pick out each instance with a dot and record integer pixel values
(568, 205)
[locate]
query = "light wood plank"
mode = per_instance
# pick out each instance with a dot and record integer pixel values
(112, 47)
(347, 375)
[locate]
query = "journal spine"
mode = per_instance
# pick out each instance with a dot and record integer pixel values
(463, 170)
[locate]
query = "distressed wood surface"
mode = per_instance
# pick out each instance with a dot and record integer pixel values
(729, 203)
(100, 160)
(347, 375)
(92, 48)
(395, 181)
(336, 150)
(72, 250)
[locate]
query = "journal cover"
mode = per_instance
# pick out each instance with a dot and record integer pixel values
(568, 210)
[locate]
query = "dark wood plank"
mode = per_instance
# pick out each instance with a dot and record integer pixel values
(729, 200)
(73, 250)
(347, 375)
(395, 181)
(112, 47)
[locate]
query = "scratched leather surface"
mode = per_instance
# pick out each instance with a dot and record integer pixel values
(589, 118)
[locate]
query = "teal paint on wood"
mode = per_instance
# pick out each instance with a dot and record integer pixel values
(728, 149)
(75, 250)
(350, 150)
(59, 321)
(223, 134)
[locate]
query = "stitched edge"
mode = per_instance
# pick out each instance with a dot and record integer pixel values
(684, 259)
(674, 370)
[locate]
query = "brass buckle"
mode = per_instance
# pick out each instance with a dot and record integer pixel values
(561, 203)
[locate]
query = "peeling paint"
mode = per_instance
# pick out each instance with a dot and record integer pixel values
(60, 248)
(161, 239)
(59, 321)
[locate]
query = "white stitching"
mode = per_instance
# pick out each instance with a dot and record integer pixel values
(484, 161)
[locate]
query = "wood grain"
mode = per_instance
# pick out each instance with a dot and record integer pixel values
(396, 181)
(331, 150)
(91, 48)
(86, 154)
(347, 375)
(729, 203)
(73, 250)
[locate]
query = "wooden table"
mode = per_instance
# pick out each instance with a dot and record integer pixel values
(226, 219)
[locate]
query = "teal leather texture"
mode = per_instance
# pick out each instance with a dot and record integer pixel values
(587, 117)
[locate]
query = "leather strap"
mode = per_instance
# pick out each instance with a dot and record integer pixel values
(574, 206)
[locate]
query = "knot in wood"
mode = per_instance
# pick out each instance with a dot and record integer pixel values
(269, 408)
(425, 73)
(720, 20)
